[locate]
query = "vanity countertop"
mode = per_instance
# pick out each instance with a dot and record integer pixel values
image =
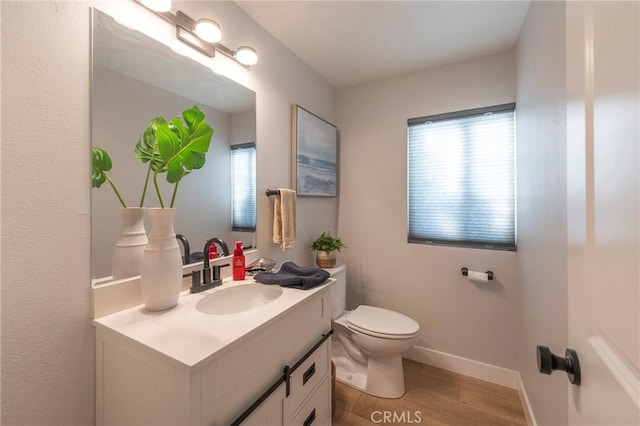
(189, 338)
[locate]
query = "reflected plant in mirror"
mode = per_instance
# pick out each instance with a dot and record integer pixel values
(134, 78)
(101, 164)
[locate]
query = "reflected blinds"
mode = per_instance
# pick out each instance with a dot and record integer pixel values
(243, 170)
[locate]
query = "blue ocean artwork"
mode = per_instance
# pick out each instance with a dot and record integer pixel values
(316, 155)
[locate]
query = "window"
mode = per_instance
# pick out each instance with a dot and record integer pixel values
(462, 178)
(243, 171)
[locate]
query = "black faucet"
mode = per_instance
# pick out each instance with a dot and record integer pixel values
(207, 281)
(186, 259)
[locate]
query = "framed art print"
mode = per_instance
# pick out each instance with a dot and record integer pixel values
(314, 154)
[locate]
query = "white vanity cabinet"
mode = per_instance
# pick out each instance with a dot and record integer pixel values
(137, 383)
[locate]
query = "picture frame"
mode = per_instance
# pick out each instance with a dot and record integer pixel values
(314, 154)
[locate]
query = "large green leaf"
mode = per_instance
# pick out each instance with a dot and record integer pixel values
(175, 148)
(146, 149)
(193, 117)
(183, 149)
(101, 163)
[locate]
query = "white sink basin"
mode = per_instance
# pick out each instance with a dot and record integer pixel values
(240, 298)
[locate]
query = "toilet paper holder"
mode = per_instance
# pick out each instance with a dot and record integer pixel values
(465, 272)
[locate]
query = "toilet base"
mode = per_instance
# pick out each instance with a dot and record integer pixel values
(382, 377)
(385, 377)
(350, 373)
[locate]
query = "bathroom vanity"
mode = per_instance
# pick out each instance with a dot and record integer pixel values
(256, 363)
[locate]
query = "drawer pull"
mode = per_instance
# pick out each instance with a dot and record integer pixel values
(308, 374)
(311, 418)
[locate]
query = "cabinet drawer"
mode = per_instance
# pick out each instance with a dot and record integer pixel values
(316, 410)
(307, 376)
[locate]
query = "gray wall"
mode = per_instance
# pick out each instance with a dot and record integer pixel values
(457, 317)
(542, 205)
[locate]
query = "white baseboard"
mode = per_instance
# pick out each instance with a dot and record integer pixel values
(526, 404)
(468, 367)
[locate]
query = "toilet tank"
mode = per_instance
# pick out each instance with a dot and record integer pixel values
(338, 290)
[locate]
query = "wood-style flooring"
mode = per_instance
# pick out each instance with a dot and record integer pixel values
(433, 397)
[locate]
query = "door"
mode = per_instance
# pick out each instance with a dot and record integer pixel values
(603, 183)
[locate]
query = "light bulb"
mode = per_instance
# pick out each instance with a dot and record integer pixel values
(208, 30)
(158, 5)
(246, 55)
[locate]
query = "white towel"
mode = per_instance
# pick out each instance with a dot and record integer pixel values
(284, 219)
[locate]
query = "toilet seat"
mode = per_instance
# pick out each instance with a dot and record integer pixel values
(383, 323)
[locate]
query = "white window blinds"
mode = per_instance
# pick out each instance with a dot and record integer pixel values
(243, 170)
(462, 178)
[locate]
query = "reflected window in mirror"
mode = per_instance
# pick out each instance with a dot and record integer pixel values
(243, 182)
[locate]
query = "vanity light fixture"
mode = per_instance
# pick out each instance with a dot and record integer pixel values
(203, 35)
(246, 55)
(157, 5)
(208, 30)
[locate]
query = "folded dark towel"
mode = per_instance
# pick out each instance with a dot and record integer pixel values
(292, 275)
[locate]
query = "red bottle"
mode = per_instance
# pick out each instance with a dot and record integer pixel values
(213, 252)
(238, 262)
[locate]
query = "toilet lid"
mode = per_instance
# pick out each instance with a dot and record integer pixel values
(382, 321)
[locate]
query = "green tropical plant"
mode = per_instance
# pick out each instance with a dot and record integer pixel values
(100, 165)
(325, 242)
(176, 148)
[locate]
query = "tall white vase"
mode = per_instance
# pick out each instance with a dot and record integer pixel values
(161, 278)
(127, 255)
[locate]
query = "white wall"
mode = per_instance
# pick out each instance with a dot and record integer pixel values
(47, 340)
(542, 205)
(456, 317)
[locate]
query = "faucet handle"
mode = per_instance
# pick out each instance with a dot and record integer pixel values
(195, 279)
(206, 278)
(216, 271)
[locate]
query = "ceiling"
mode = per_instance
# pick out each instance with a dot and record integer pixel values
(352, 42)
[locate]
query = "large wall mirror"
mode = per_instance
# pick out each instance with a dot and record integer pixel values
(136, 78)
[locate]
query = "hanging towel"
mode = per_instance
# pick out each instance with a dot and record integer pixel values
(292, 275)
(284, 219)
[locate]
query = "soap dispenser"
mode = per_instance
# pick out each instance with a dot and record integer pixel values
(238, 262)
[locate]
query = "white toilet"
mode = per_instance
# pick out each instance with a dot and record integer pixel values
(368, 343)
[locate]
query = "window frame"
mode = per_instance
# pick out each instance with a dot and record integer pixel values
(469, 113)
(236, 147)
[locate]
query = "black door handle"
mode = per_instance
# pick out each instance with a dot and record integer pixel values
(548, 362)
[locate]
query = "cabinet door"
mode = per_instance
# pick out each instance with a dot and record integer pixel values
(307, 377)
(316, 410)
(270, 412)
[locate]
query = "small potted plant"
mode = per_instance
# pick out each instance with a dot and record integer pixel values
(326, 246)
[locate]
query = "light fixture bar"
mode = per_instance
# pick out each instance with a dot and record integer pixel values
(185, 32)
(194, 41)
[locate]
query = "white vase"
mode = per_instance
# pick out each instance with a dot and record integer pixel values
(127, 255)
(161, 278)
